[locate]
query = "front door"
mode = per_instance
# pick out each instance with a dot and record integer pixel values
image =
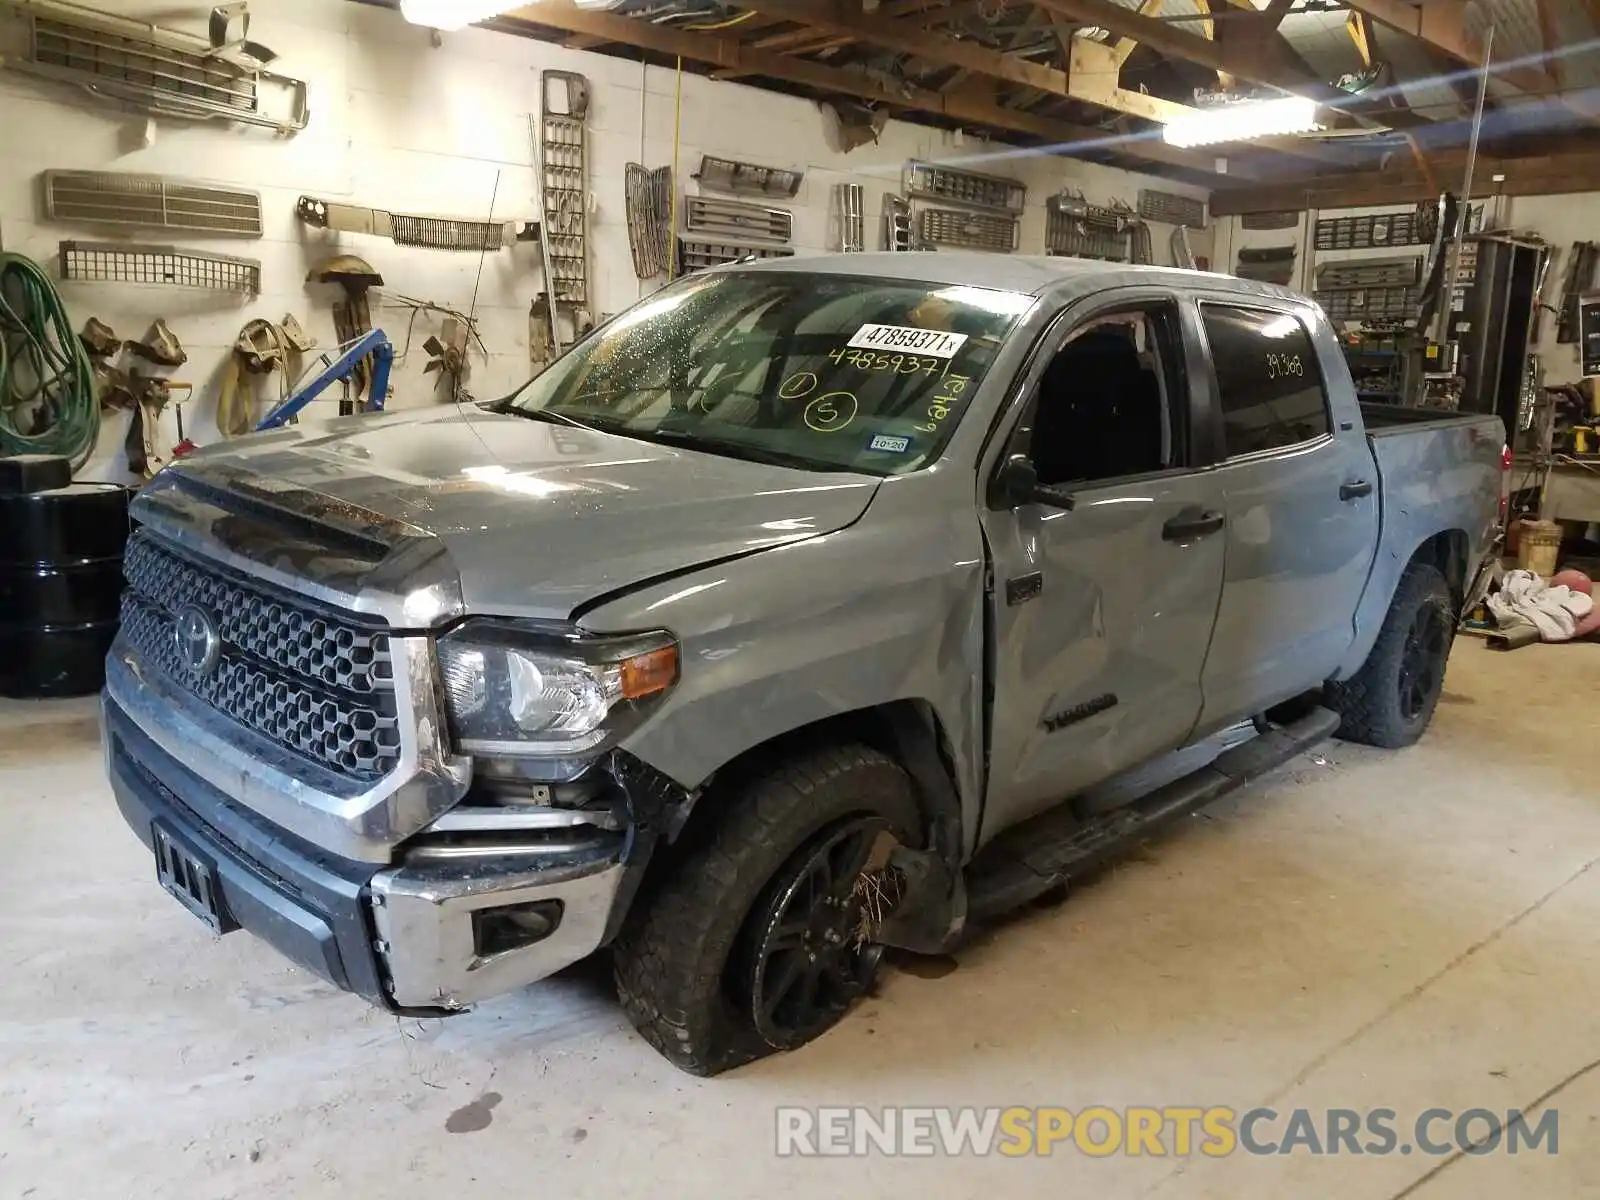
(1106, 585)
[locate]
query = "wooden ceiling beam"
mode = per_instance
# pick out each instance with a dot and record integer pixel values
(719, 50)
(1166, 39)
(790, 42)
(1574, 170)
(1442, 25)
(839, 19)
(1259, 56)
(1125, 46)
(1064, 31)
(1275, 11)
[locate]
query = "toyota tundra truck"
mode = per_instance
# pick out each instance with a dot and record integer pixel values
(806, 608)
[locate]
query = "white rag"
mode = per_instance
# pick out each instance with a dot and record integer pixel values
(1526, 599)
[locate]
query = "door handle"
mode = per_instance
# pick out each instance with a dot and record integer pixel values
(1356, 490)
(1192, 523)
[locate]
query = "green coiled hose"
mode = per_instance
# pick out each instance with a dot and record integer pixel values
(47, 393)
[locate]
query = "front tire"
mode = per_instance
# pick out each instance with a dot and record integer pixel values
(760, 937)
(1390, 701)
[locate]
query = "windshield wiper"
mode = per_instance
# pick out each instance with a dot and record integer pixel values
(548, 414)
(733, 449)
(678, 437)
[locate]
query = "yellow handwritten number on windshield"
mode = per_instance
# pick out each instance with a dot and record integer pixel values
(801, 383)
(832, 411)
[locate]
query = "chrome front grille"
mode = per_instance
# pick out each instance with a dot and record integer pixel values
(317, 683)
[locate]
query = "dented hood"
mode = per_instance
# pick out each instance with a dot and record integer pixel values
(536, 518)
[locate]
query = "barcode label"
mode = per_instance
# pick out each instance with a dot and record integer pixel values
(935, 343)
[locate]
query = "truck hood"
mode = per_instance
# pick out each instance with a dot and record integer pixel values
(535, 518)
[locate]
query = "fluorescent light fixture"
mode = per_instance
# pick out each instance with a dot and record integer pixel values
(454, 14)
(1242, 121)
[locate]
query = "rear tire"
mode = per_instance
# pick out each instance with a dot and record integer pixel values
(1390, 701)
(714, 969)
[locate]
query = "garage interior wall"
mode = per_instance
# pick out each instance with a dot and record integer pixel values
(1560, 220)
(402, 125)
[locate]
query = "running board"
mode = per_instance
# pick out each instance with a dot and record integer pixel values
(1043, 853)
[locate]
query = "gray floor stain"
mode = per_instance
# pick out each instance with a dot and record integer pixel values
(40, 739)
(470, 1118)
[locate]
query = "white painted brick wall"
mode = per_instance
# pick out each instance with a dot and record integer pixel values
(399, 124)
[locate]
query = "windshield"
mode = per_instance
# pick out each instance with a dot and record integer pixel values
(819, 371)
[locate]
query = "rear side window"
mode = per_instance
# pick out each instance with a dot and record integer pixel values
(1268, 384)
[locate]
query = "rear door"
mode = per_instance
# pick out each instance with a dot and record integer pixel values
(1103, 591)
(1301, 493)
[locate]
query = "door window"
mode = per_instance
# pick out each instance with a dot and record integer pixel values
(1102, 408)
(1269, 387)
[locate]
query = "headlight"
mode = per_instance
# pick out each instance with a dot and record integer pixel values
(515, 692)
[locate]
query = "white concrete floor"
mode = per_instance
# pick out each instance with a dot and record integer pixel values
(1362, 929)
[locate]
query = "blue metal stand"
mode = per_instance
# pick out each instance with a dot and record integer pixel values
(376, 343)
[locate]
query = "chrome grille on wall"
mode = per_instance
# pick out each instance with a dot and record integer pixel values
(315, 682)
(714, 218)
(124, 199)
(159, 71)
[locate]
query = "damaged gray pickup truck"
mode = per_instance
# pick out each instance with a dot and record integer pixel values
(807, 607)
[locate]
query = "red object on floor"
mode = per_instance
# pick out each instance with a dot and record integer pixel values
(1579, 582)
(1576, 580)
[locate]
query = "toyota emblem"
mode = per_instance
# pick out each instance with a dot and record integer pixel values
(198, 643)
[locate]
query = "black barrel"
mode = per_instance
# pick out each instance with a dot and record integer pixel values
(60, 588)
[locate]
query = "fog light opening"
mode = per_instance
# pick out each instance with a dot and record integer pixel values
(513, 926)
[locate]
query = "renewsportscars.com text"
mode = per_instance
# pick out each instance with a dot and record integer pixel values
(1170, 1131)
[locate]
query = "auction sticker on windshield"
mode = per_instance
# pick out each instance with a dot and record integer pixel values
(934, 342)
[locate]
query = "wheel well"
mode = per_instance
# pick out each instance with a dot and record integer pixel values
(1447, 551)
(909, 731)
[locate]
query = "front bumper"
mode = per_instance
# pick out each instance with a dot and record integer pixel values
(403, 937)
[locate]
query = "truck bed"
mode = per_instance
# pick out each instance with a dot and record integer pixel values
(1391, 418)
(1436, 471)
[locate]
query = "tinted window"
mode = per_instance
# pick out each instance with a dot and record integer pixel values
(1102, 412)
(1267, 379)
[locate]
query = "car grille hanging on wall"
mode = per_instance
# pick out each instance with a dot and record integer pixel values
(154, 70)
(125, 200)
(969, 230)
(407, 229)
(1370, 288)
(649, 211)
(1170, 208)
(734, 220)
(1077, 229)
(936, 182)
(697, 255)
(97, 262)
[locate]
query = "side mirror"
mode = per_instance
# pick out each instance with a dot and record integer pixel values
(1015, 483)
